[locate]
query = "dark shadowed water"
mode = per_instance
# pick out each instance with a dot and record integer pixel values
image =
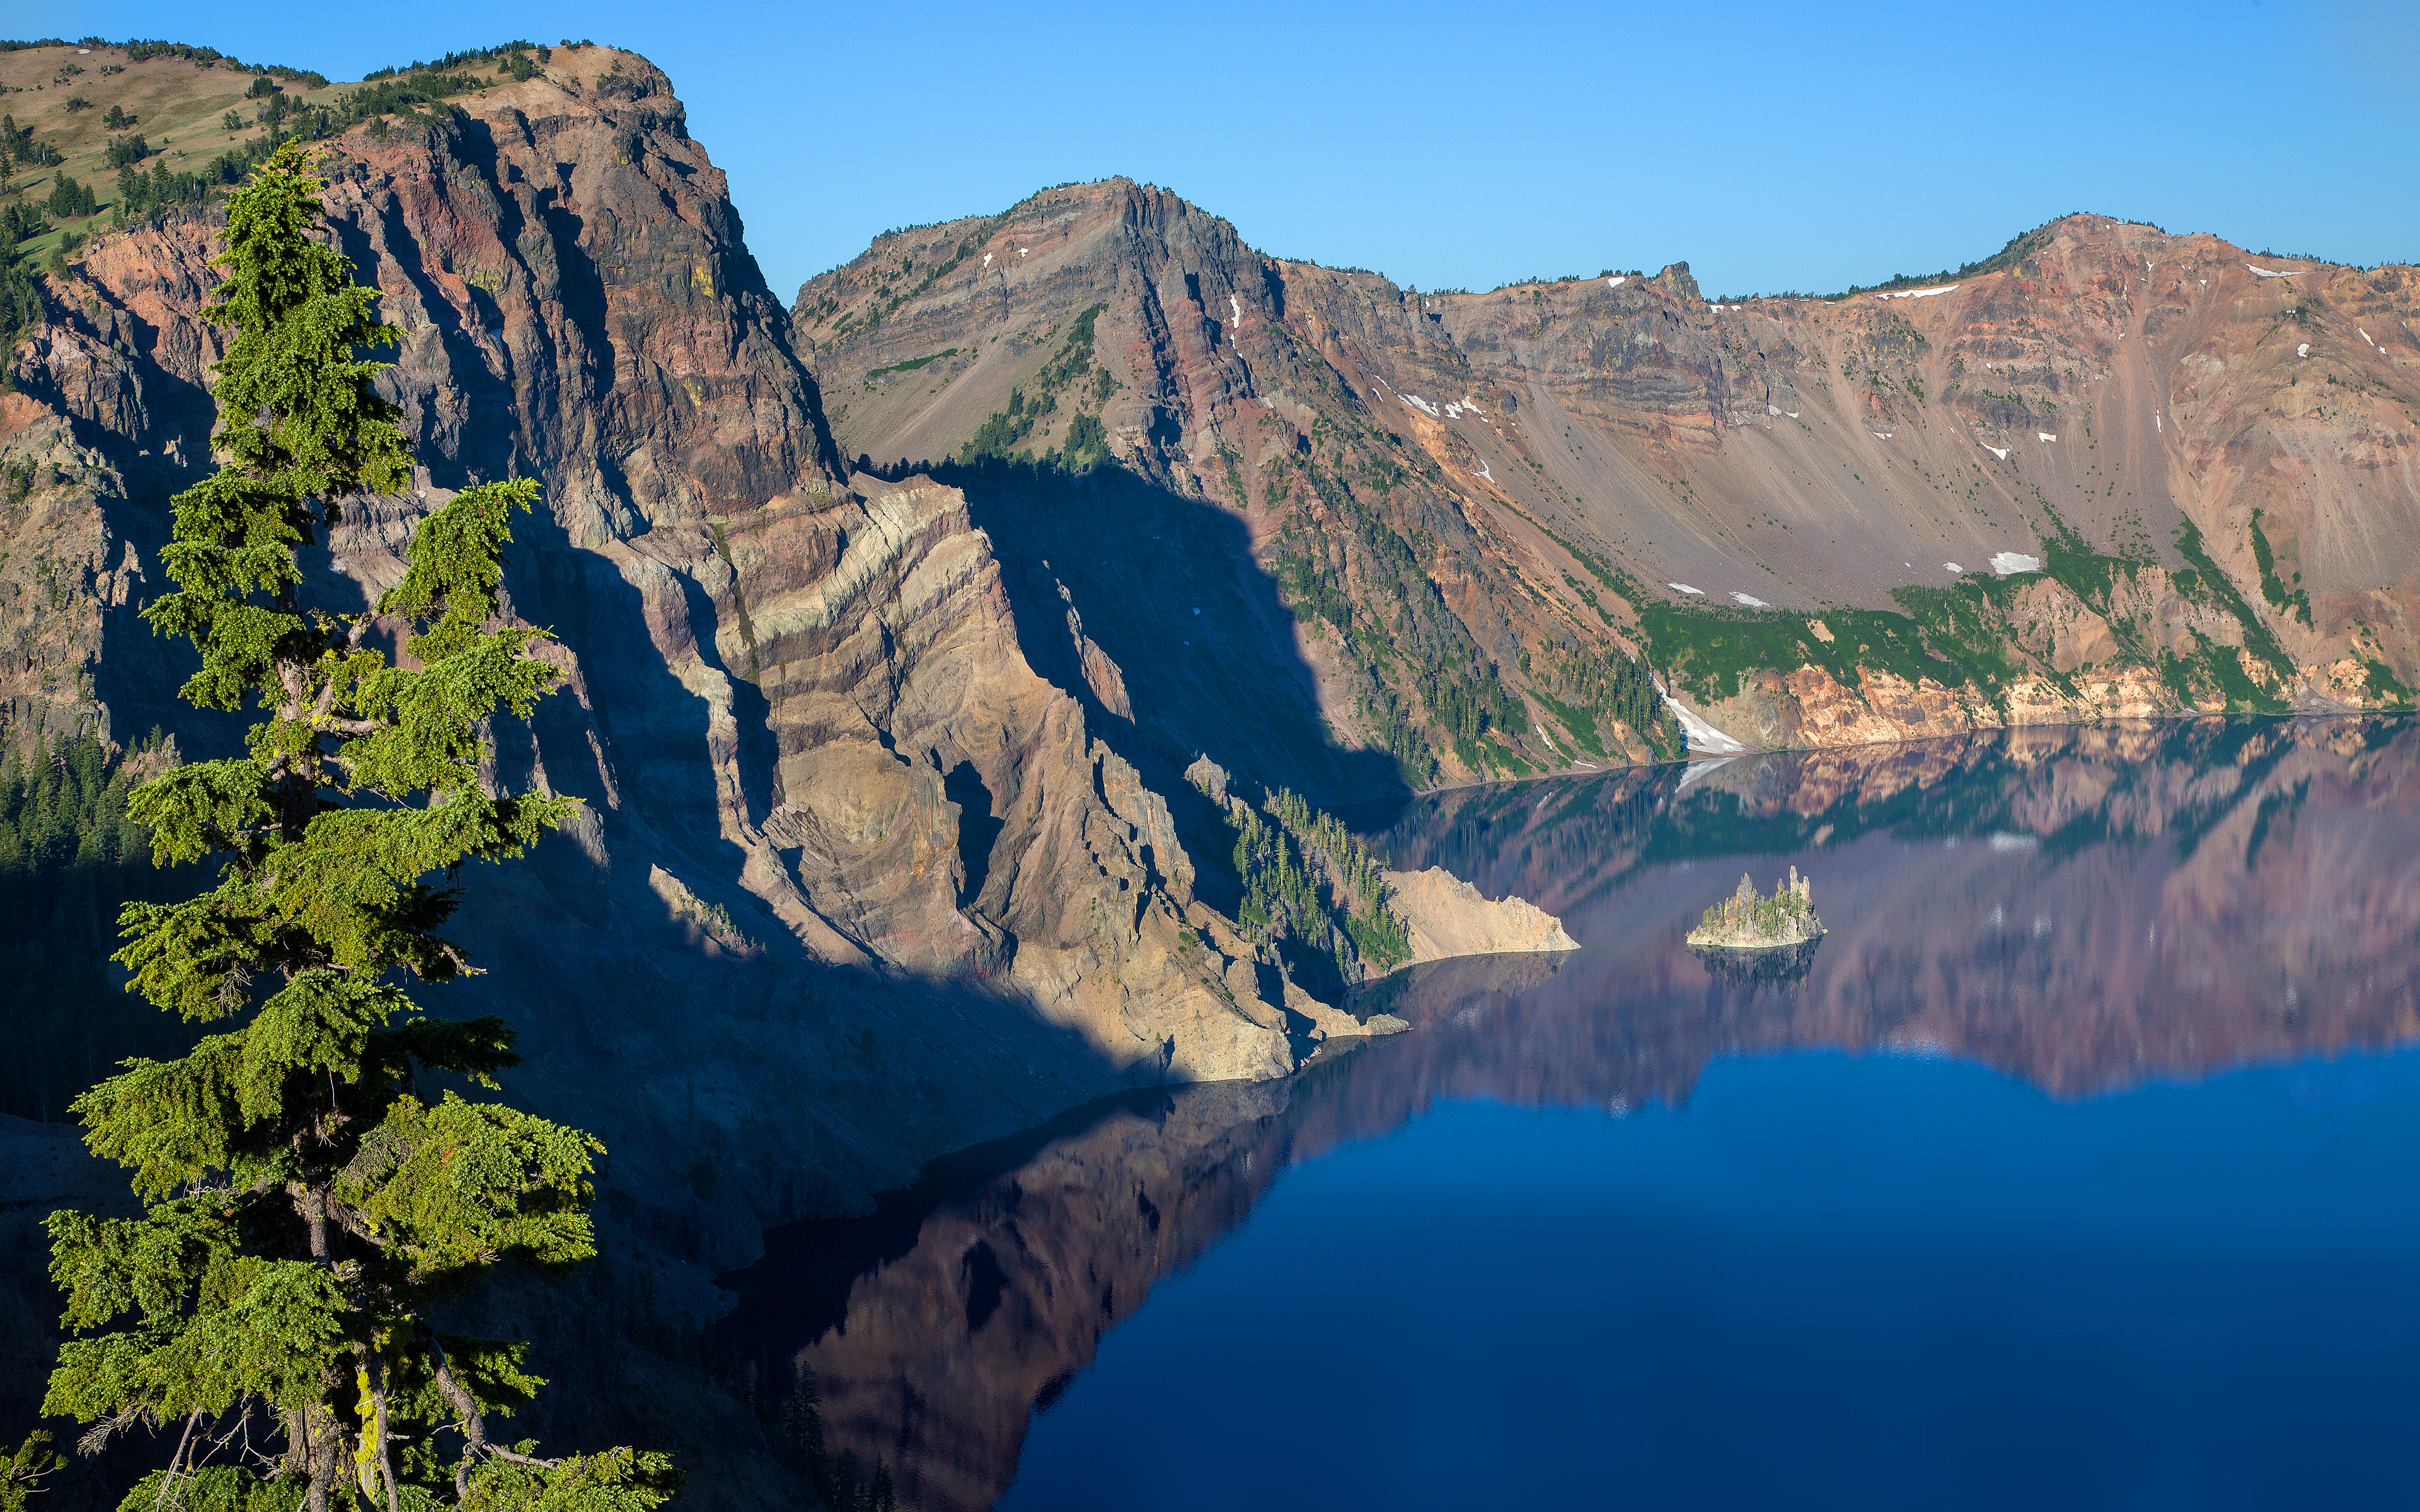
(2079, 1167)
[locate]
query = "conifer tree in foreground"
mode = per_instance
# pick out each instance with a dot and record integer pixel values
(309, 1196)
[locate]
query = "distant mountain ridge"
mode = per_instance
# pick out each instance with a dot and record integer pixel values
(2225, 517)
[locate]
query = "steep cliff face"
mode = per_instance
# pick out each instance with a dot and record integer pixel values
(855, 883)
(1272, 576)
(874, 860)
(2110, 472)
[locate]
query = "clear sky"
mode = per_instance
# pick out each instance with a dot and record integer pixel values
(1773, 146)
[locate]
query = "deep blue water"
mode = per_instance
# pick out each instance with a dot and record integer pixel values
(1830, 1281)
(2078, 1167)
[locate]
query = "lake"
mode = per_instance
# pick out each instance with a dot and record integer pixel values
(2080, 1167)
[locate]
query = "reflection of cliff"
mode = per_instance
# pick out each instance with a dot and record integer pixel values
(2232, 893)
(933, 1328)
(2082, 907)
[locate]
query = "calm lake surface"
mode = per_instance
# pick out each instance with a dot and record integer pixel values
(2081, 1167)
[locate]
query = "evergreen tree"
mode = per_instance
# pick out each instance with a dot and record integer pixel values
(306, 1203)
(69, 198)
(21, 1474)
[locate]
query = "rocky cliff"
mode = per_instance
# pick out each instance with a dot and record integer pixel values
(799, 706)
(1273, 574)
(2109, 471)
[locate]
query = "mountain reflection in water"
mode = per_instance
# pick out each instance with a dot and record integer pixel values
(2084, 909)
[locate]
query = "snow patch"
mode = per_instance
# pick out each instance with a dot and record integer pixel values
(1419, 404)
(2044, 436)
(2303, 350)
(1702, 736)
(1917, 293)
(1952, 567)
(1883, 434)
(2364, 335)
(987, 257)
(1686, 589)
(1617, 282)
(1235, 307)
(1750, 601)
(2287, 272)
(1484, 473)
(2000, 452)
(2005, 563)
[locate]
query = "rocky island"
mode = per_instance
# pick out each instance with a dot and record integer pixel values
(1764, 938)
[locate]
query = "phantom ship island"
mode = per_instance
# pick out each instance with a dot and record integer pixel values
(1749, 939)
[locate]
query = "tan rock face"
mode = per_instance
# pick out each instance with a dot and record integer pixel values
(1450, 917)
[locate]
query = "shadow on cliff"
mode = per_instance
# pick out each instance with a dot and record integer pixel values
(1194, 648)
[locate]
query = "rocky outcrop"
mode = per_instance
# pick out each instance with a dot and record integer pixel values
(1446, 916)
(1748, 922)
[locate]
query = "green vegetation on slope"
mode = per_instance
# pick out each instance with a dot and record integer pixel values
(1398, 632)
(1312, 889)
(911, 365)
(2271, 589)
(1963, 634)
(1953, 636)
(411, 94)
(1087, 443)
(2214, 670)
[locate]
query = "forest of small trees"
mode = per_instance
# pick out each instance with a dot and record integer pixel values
(1317, 893)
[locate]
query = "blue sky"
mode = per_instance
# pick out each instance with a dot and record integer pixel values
(1773, 146)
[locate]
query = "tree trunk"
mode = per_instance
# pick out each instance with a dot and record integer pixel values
(378, 1426)
(326, 1443)
(315, 1214)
